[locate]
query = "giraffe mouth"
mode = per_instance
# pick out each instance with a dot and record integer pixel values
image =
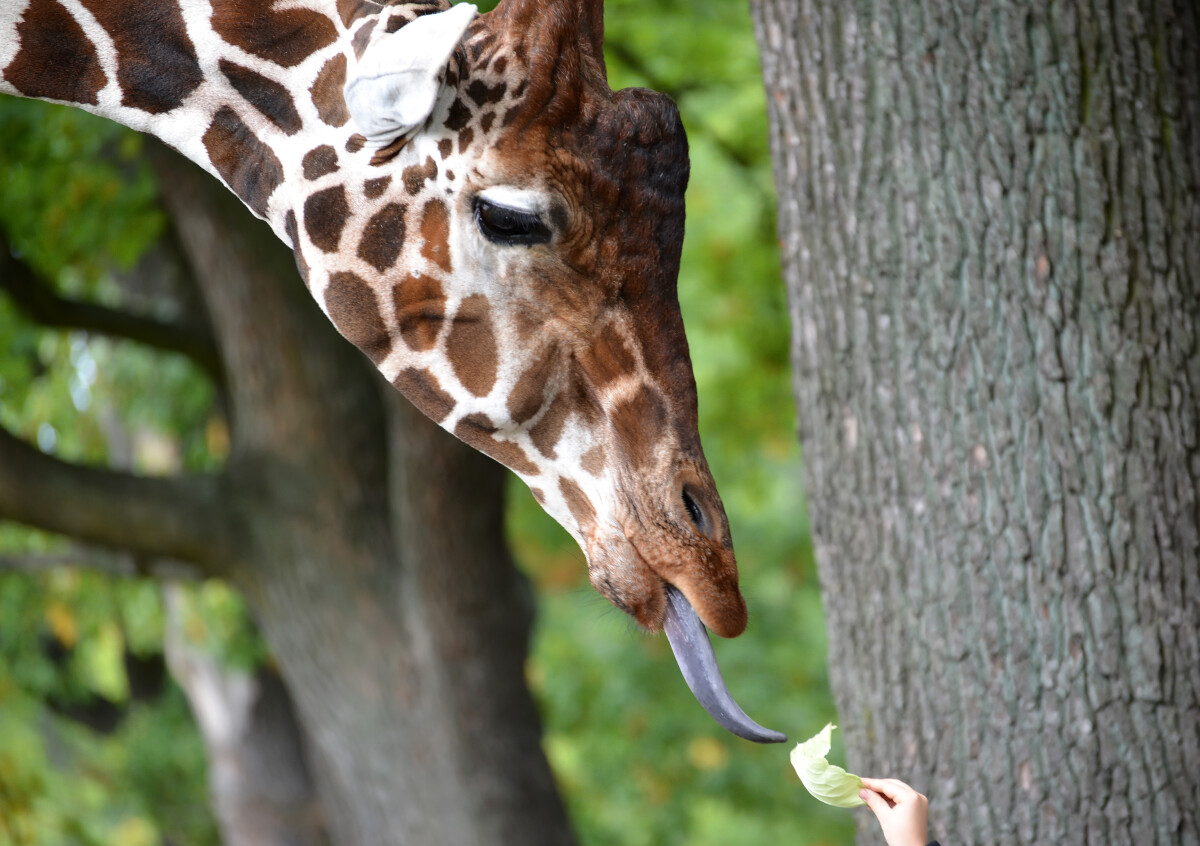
(698, 663)
(656, 603)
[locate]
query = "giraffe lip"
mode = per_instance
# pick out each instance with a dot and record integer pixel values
(698, 663)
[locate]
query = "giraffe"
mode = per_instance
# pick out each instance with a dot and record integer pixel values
(478, 212)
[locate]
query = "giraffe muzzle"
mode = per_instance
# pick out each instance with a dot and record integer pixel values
(698, 663)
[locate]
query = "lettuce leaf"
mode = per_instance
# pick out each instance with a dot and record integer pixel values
(829, 783)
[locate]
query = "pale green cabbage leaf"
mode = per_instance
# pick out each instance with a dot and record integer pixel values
(829, 783)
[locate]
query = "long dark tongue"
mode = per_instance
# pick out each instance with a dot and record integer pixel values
(694, 654)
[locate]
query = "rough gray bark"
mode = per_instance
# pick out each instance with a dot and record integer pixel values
(259, 783)
(368, 542)
(990, 219)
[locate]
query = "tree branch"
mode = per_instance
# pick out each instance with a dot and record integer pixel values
(181, 517)
(101, 560)
(105, 562)
(43, 305)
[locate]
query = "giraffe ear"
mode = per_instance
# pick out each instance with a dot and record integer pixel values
(395, 85)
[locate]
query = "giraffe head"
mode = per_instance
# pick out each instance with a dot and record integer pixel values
(532, 309)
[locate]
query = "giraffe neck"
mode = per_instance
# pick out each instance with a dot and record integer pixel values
(245, 92)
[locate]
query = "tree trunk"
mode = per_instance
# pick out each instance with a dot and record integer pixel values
(990, 220)
(374, 558)
(259, 784)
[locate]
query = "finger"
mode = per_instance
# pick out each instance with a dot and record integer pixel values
(889, 787)
(893, 788)
(874, 801)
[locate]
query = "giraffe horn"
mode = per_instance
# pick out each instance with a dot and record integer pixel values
(591, 27)
(558, 26)
(698, 663)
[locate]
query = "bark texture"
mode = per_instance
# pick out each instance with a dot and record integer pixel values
(259, 782)
(990, 221)
(368, 542)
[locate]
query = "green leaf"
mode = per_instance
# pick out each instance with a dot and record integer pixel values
(831, 784)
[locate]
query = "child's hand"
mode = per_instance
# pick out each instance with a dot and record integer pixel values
(903, 813)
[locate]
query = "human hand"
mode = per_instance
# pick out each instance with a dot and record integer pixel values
(903, 813)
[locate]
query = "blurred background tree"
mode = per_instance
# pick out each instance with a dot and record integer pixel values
(91, 752)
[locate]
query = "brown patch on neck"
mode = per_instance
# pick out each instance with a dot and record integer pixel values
(471, 346)
(374, 188)
(415, 176)
(483, 94)
(352, 10)
(320, 161)
(355, 312)
(593, 461)
(157, 67)
(325, 215)
(422, 390)
(286, 37)
(386, 154)
(266, 95)
(248, 166)
(56, 59)
(383, 237)
(458, 117)
(581, 508)
(529, 394)
(477, 431)
(326, 92)
(435, 232)
(546, 432)
(464, 139)
(420, 305)
(359, 42)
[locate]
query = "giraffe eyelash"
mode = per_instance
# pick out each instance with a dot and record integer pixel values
(510, 227)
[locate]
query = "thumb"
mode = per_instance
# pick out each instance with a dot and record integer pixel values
(874, 801)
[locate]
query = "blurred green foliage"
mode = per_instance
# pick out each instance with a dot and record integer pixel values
(637, 759)
(62, 643)
(76, 205)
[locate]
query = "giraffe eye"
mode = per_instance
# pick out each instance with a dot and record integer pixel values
(694, 512)
(510, 227)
